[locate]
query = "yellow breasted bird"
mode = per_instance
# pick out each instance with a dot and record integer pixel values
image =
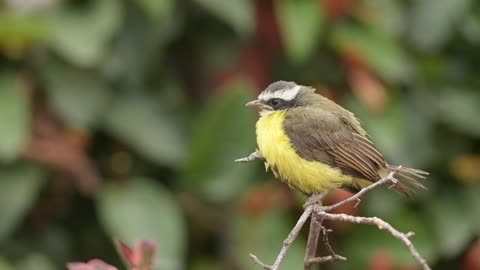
(313, 144)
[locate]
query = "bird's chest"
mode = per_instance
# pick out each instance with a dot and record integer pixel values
(281, 157)
(272, 140)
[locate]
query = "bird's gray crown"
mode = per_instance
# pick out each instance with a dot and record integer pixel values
(280, 89)
(280, 85)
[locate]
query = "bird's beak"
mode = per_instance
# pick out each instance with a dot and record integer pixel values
(258, 104)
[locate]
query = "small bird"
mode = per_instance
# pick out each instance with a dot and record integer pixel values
(314, 144)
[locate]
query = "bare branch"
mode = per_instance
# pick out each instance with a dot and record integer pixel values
(324, 259)
(388, 179)
(252, 157)
(382, 225)
(318, 212)
(287, 242)
(312, 241)
(257, 261)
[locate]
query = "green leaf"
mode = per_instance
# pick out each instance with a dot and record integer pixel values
(77, 96)
(364, 241)
(459, 108)
(35, 262)
(19, 187)
(453, 229)
(14, 116)
(391, 203)
(435, 21)
(238, 14)
(5, 265)
(206, 263)
(390, 16)
(382, 53)
(143, 209)
(157, 9)
(471, 27)
(263, 236)
(82, 34)
(19, 30)
(472, 192)
(224, 132)
(301, 23)
(140, 122)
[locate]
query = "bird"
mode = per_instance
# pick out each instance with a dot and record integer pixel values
(315, 145)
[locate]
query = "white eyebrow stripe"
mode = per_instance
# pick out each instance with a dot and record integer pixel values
(287, 94)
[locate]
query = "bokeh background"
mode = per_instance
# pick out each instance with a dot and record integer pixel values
(121, 119)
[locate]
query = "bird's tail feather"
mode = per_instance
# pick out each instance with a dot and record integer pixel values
(408, 178)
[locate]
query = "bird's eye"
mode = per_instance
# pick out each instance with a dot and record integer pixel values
(275, 102)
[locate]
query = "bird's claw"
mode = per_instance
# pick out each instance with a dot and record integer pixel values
(315, 199)
(253, 156)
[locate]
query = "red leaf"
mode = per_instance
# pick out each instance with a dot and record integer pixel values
(369, 89)
(95, 264)
(336, 9)
(125, 252)
(139, 258)
(146, 250)
(252, 65)
(267, 33)
(336, 196)
(471, 260)
(365, 85)
(263, 197)
(382, 260)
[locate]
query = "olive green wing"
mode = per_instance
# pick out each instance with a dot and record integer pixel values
(333, 139)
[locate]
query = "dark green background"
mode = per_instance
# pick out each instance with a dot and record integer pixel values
(122, 119)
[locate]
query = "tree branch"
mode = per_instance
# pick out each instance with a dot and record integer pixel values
(382, 225)
(318, 213)
(324, 259)
(312, 241)
(287, 242)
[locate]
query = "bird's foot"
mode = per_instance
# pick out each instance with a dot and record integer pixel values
(253, 156)
(393, 183)
(315, 199)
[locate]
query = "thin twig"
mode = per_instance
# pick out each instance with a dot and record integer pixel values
(310, 260)
(252, 157)
(388, 179)
(257, 261)
(382, 225)
(287, 242)
(324, 259)
(326, 242)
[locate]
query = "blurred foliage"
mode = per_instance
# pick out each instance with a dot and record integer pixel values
(139, 257)
(121, 119)
(126, 213)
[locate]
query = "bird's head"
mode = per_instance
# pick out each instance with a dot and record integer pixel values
(280, 95)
